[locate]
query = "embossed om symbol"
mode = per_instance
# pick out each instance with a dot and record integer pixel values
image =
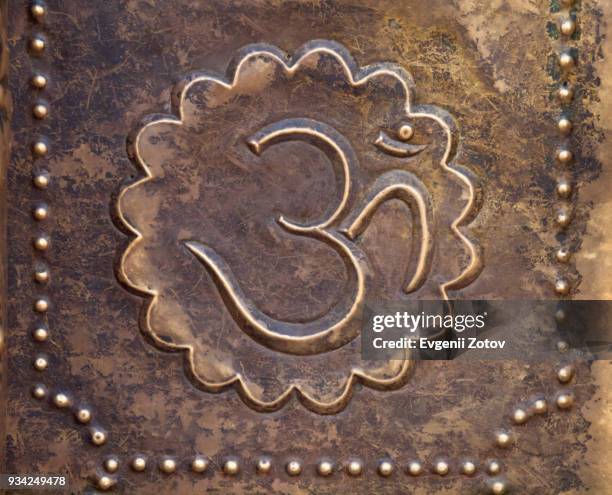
(338, 230)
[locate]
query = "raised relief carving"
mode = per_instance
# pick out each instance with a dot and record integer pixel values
(261, 221)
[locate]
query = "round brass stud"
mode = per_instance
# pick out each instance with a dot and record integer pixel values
(562, 286)
(565, 401)
(566, 373)
(565, 125)
(562, 346)
(568, 3)
(405, 132)
(111, 464)
(498, 487)
(199, 464)
(503, 439)
(540, 406)
(41, 305)
(38, 11)
(41, 180)
(566, 61)
(37, 44)
(563, 218)
(98, 437)
(105, 482)
(325, 468)
(564, 156)
(520, 416)
(566, 93)
(415, 468)
(40, 212)
(560, 316)
(568, 26)
(39, 391)
(385, 468)
(230, 467)
(40, 334)
(41, 243)
(468, 468)
(83, 415)
(293, 468)
(167, 465)
(61, 400)
(139, 463)
(41, 363)
(563, 255)
(494, 467)
(40, 148)
(41, 275)
(564, 189)
(39, 81)
(441, 468)
(264, 465)
(40, 110)
(354, 468)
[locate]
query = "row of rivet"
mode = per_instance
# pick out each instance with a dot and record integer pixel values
(231, 467)
(564, 187)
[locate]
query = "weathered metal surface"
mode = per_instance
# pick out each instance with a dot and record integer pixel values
(457, 152)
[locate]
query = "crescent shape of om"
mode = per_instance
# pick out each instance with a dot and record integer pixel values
(336, 328)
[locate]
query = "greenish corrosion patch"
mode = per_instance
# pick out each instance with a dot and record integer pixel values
(552, 30)
(554, 6)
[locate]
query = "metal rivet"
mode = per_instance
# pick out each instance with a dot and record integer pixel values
(264, 465)
(61, 400)
(565, 401)
(564, 156)
(568, 26)
(39, 81)
(540, 406)
(354, 468)
(405, 132)
(38, 11)
(562, 346)
(40, 148)
(37, 44)
(441, 468)
(41, 275)
(385, 468)
(519, 416)
(40, 334)
(167, 465)
(565, 93)
(40, 110)
(560, 315)
(41, 180)
(230, 467)
(563, 255)
(415, 468)
(41, 363)
(293, 468)
(139, 463)
(566, 61)
(562, 286)
(111, 464)
(565, 125)
(41, 305)
(83, 415)
(40, 212)
(39, 392)
(563, 218)
(325, 468)
(41, 243)
(98, 437)
(105, 482)
(568, 3)
(199, 464)
(498, 487)
(468, 468)
(494, 467)
(503, 439)
(566, 373)
(564, 189)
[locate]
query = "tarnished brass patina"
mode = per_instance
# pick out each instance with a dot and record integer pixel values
(202, 198)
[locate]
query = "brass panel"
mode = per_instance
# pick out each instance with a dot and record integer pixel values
(203, 196)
